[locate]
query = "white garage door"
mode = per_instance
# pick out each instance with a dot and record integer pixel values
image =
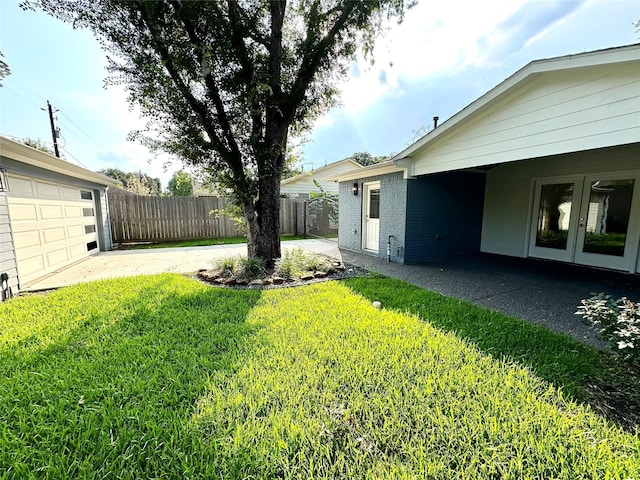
(53, 225)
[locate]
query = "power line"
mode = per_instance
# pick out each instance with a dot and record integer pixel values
(32, 93)
(67, 152)
(21, 94)
(81, 130)
(32, 97)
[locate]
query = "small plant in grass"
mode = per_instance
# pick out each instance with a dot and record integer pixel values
(226, 266)
(251, 268)
(617, 320)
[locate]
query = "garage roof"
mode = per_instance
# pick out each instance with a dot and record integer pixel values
(31, 156)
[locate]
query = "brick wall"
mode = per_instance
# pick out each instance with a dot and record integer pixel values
(393, 194)
(444, 215)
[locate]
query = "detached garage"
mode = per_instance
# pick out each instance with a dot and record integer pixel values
(52, 213)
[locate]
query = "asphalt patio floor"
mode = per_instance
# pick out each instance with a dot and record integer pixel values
(542, 292)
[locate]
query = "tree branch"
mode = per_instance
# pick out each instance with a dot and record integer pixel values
(233, 156)
(275, 100)
(247, 69)
(313, 56)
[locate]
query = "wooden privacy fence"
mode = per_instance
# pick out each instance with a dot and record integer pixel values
(153, 219)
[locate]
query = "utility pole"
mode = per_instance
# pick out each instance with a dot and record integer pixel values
(54, 133)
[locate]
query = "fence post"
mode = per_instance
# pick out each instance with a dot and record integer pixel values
(304, 220)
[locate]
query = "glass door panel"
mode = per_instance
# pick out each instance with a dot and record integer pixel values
(607, 220)
(554, 215)
(554, 219)
(607, 229)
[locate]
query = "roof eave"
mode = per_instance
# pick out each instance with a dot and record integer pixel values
(318, 170)
(364, 172)
(520, 78)
(36, 158)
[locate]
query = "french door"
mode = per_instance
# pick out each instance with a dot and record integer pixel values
(591, 220)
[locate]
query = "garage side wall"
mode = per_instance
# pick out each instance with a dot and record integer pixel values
(349, 216)
(8, 263)
(104, 225)
(444, 215)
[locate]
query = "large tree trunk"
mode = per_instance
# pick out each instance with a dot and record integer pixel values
(263, 221)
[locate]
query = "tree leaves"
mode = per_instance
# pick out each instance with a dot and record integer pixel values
(222, 83)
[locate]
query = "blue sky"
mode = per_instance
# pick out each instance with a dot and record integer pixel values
(444, 56)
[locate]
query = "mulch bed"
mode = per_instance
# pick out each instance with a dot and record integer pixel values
(338, 272)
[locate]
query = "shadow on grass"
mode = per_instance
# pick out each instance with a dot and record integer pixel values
(114, 393)
(585, 374)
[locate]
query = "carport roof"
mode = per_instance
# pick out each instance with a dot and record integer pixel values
(31, 156)
(403, 161)
(598, 57)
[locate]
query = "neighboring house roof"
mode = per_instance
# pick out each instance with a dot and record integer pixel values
(304, 183)
(31, 156)
(551, 106)
(121, 192)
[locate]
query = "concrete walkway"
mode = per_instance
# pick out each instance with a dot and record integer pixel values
(542, 292)
(125, 263)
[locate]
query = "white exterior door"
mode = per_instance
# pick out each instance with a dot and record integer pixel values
(592, 220)
(371, 218)
(53, 225)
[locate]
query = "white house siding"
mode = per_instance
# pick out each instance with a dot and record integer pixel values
(509, 192)
(552, 113)
(304, 186)
(8, 263)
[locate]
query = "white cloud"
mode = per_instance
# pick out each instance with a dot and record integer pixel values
(435, 36)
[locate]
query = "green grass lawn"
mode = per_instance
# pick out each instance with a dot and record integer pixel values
(164, 377)
(583, 373)
(200, 242)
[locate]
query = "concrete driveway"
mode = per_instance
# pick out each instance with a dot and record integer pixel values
(125, 263)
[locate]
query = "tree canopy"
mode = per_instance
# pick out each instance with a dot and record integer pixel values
(224, 84)
(180, 184)
(4, 69)
(136, 182)
(365, 158)
(38, 145)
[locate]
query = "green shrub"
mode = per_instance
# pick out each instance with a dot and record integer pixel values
(617, 320)
(251, 268)
(316, 263)
(286, 267)
(292, 263)
(226, 266)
